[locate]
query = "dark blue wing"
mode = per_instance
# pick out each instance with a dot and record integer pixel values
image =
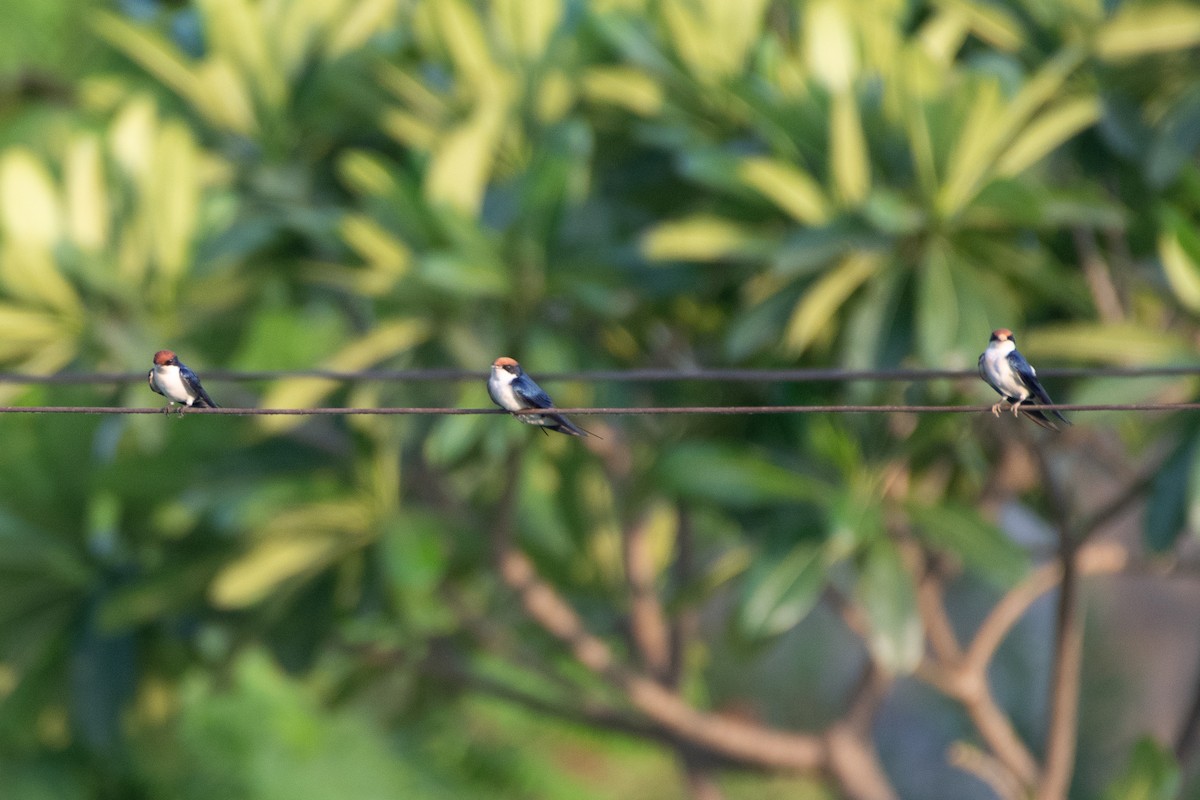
(1028, 376)
(193, 382)
(531, 393)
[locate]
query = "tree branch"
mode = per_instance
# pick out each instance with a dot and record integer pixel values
(1063, 715)
(1098, 276)
(730, 738)
(647, 623)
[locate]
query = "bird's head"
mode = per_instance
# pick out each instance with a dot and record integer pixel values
(163, 357)
(1003, 335)
(506, 364)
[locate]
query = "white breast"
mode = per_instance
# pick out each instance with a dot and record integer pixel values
(171, 383)
(501, 385)
(995, 361)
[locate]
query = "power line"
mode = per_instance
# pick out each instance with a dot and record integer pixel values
(737, 375)
(614, 411)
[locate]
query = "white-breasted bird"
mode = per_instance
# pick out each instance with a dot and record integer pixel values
(174, 381)
(513, 390)
(1004, 369)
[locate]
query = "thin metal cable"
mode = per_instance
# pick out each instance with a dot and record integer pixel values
(450, 375)
(615, 411)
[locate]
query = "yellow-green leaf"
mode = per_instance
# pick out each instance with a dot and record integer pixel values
(1139, 29)
(1179, 263)
(367, 18)
(87, 201)
(296, 542)
(236, 31)
(174, 198)
(849, 161)
(830, 46)
(1049, 132)
(624, 87)
(789, 187)
(156, 55)
(462, 164)
(823, 300)
(526, 25)
(384, 342)
(376, 245)
(701, 237)
(29, 203)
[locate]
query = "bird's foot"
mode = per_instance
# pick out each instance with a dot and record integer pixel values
(1016, 407)
(996, 408)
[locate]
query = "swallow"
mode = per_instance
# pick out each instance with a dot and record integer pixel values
(174, 381)
(511, 389)
(1004, 369)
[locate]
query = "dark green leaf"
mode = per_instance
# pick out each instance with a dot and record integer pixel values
(735, 477)
(982, 546)
(887, 594)
(780, 593)
(1152, 774)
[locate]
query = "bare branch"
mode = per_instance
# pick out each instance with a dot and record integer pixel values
(1063, 715)
(728, 737)
(1099, 558)
(1098, 276)
(648, 624)
(932, 608)
(987, 769)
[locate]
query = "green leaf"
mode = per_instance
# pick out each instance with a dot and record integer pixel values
(1123, 343)
(1139, 29)
(463, 159)
(296, 542)
(937, 306)
(702, 237)
(826, 298)
(780, 593)
(156, 55)
(453, 437)
(1048, 132)
(383, 342)
(849, 162)
(982, 546)
(1179, 252)
(733, 476)
(1152, 774)
(830, 47)
(792, 189)
(1167, 504)
(887, 595)
(526, 25)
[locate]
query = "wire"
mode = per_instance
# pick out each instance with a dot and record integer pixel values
(451, 375)
(615, 411)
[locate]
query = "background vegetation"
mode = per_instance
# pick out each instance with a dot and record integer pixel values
(807, 606)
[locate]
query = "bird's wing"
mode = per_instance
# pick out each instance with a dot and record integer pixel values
(193, 383)
(532, 394)
(983, 373)
(1028, 377)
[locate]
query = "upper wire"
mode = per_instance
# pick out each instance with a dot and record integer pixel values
(735, 375)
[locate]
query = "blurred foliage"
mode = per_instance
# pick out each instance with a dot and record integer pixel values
(350, 184)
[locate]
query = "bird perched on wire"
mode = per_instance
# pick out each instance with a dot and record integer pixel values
(174, 381)
(513, 390)
(1004, 369)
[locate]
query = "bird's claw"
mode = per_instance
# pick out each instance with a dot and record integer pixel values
(996, 408)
